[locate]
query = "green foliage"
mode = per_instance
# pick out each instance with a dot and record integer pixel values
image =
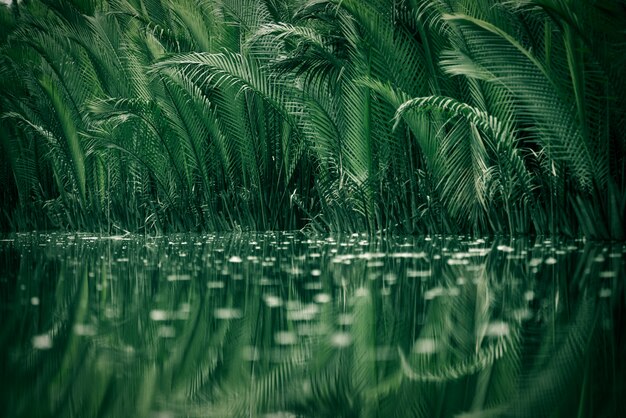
(169, 115)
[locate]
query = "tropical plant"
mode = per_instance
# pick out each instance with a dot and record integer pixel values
(405, 116)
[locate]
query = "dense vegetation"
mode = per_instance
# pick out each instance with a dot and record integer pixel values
(402, 115)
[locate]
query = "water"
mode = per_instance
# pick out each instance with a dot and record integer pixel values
(290, 325)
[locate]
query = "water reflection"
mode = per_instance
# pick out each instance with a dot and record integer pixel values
(288, 325)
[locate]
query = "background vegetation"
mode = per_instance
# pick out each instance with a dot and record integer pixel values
(400, 115)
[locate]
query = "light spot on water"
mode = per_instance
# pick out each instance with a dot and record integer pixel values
(316, 272)
(457, 262)
(522, 314)
(434, 292)
(294, 271)
(341, 339)
(371, 256)
(453, 291)
(322, 298)
(166, 332)
(481, 252)
(215, 285)
(285, 338)
(273, 301)
(605, 293)
(420, 254)
(313, 286)
(34, 301)
(178, 277)
(305, 313)
(505, 248)
(227, 313)
(419, 273)
(159, 315)
(534, 262)
(362, 292)
(235, 259)
(551, 260)
(425, 346)
(497, 329)
(608, 274)
(42, 342)
(529, 295)
(599, 259)
(84, 329)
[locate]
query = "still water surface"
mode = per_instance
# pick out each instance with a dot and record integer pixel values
(292, 325)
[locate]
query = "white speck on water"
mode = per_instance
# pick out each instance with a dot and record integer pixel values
(42, 342)
(166, 331)
(341, 339)
(314, 286)
(306, 313)
(371, 256)
(159, 315)
(273, 301)
(362, 292)
(425, 346)
(316, 272)
(522, 314)
(534, 262)
(419, 273)
(454, 291)
(235, 259)
(505, 248)
(322, 298)
(551, 260)
(178, 277)
(497, 329)
(420, 254)
(215, 284)
(34, 301)
(605, 292)
(227, 313)
(434, 292)
(529, 295)
(285, 338)
(84, 329)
